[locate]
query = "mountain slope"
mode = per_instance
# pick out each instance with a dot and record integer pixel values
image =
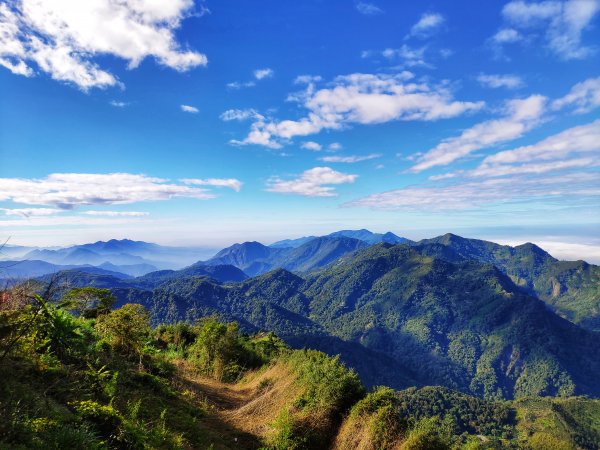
(570, 288)
(255, 258)
(464, 325)
(362, 235)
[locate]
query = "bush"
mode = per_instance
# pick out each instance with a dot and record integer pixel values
(126, 328)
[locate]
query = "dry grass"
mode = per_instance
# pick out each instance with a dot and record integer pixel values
(250, 405)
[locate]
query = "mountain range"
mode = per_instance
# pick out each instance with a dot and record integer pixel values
(486, 319)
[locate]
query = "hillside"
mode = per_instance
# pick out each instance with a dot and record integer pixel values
(98, 383)
(255, 258)
(414, 319)
(570, 288)
(463, 325)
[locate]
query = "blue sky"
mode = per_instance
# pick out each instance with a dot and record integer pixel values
(209, 123)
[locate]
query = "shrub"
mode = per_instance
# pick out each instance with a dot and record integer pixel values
(126, 328)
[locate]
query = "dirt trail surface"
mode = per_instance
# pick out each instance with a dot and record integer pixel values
(239, 413)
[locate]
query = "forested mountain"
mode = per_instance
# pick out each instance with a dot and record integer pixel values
(570, 288)
(104, 379)
(362, 235)
(419, 315)
(255, 258)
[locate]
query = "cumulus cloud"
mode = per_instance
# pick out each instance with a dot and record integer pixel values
(70, 190)
(239, 115)
(559, 23)
(368, 9)
(315, 182)
(334, 146)
(231, 183)
(350, 159)
(259, 74)
(521, 115)
(500, 81)
(473, 194)
(360, 99)
(584, 97)
(189, 109)
(117, 213)
(62, 37)
(428, 24)
(311, 145)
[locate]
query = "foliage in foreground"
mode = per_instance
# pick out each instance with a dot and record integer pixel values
(79, 375)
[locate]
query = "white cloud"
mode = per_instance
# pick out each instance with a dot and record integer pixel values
(311, 145)
(240, 115)
(334, 146)
(577, 147)
(307, 79)
(189, 109)
(560, 23)
(350, 159)
(69, 190)
(117, 213)
(62, 37)
(231, 183)
(408, 56)
(427, 25)
(239, 85)
(477, 193)
(500, 81)
(363, 99)
(28, 212)
(259, 74)
(520, 116)
(314, 182)
(118, 104)
(368, 9)
(584, 96)
(507, 36)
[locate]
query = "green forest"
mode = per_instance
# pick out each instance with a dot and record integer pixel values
(80, 373)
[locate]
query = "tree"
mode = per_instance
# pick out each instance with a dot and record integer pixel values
(126, 328)
(89, 302)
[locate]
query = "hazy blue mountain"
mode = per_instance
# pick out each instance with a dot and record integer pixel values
(318, 253)
(255, 258)
(224, 273)
(292, 242)
(79, 256)
(244, 254)
(371, 238)
(135, 270)
(570, 288)
(98, 277)
(363, 235)
(138, 255)
(13, 271)
(8, 251)
(26, 269)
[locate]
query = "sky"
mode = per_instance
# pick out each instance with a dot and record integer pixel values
(208, 123)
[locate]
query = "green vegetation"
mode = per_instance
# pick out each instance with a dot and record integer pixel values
(89, 378)
(409, 315)
(570, 288)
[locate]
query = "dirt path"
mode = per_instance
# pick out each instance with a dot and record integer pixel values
(221, 400)
(248, 408)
